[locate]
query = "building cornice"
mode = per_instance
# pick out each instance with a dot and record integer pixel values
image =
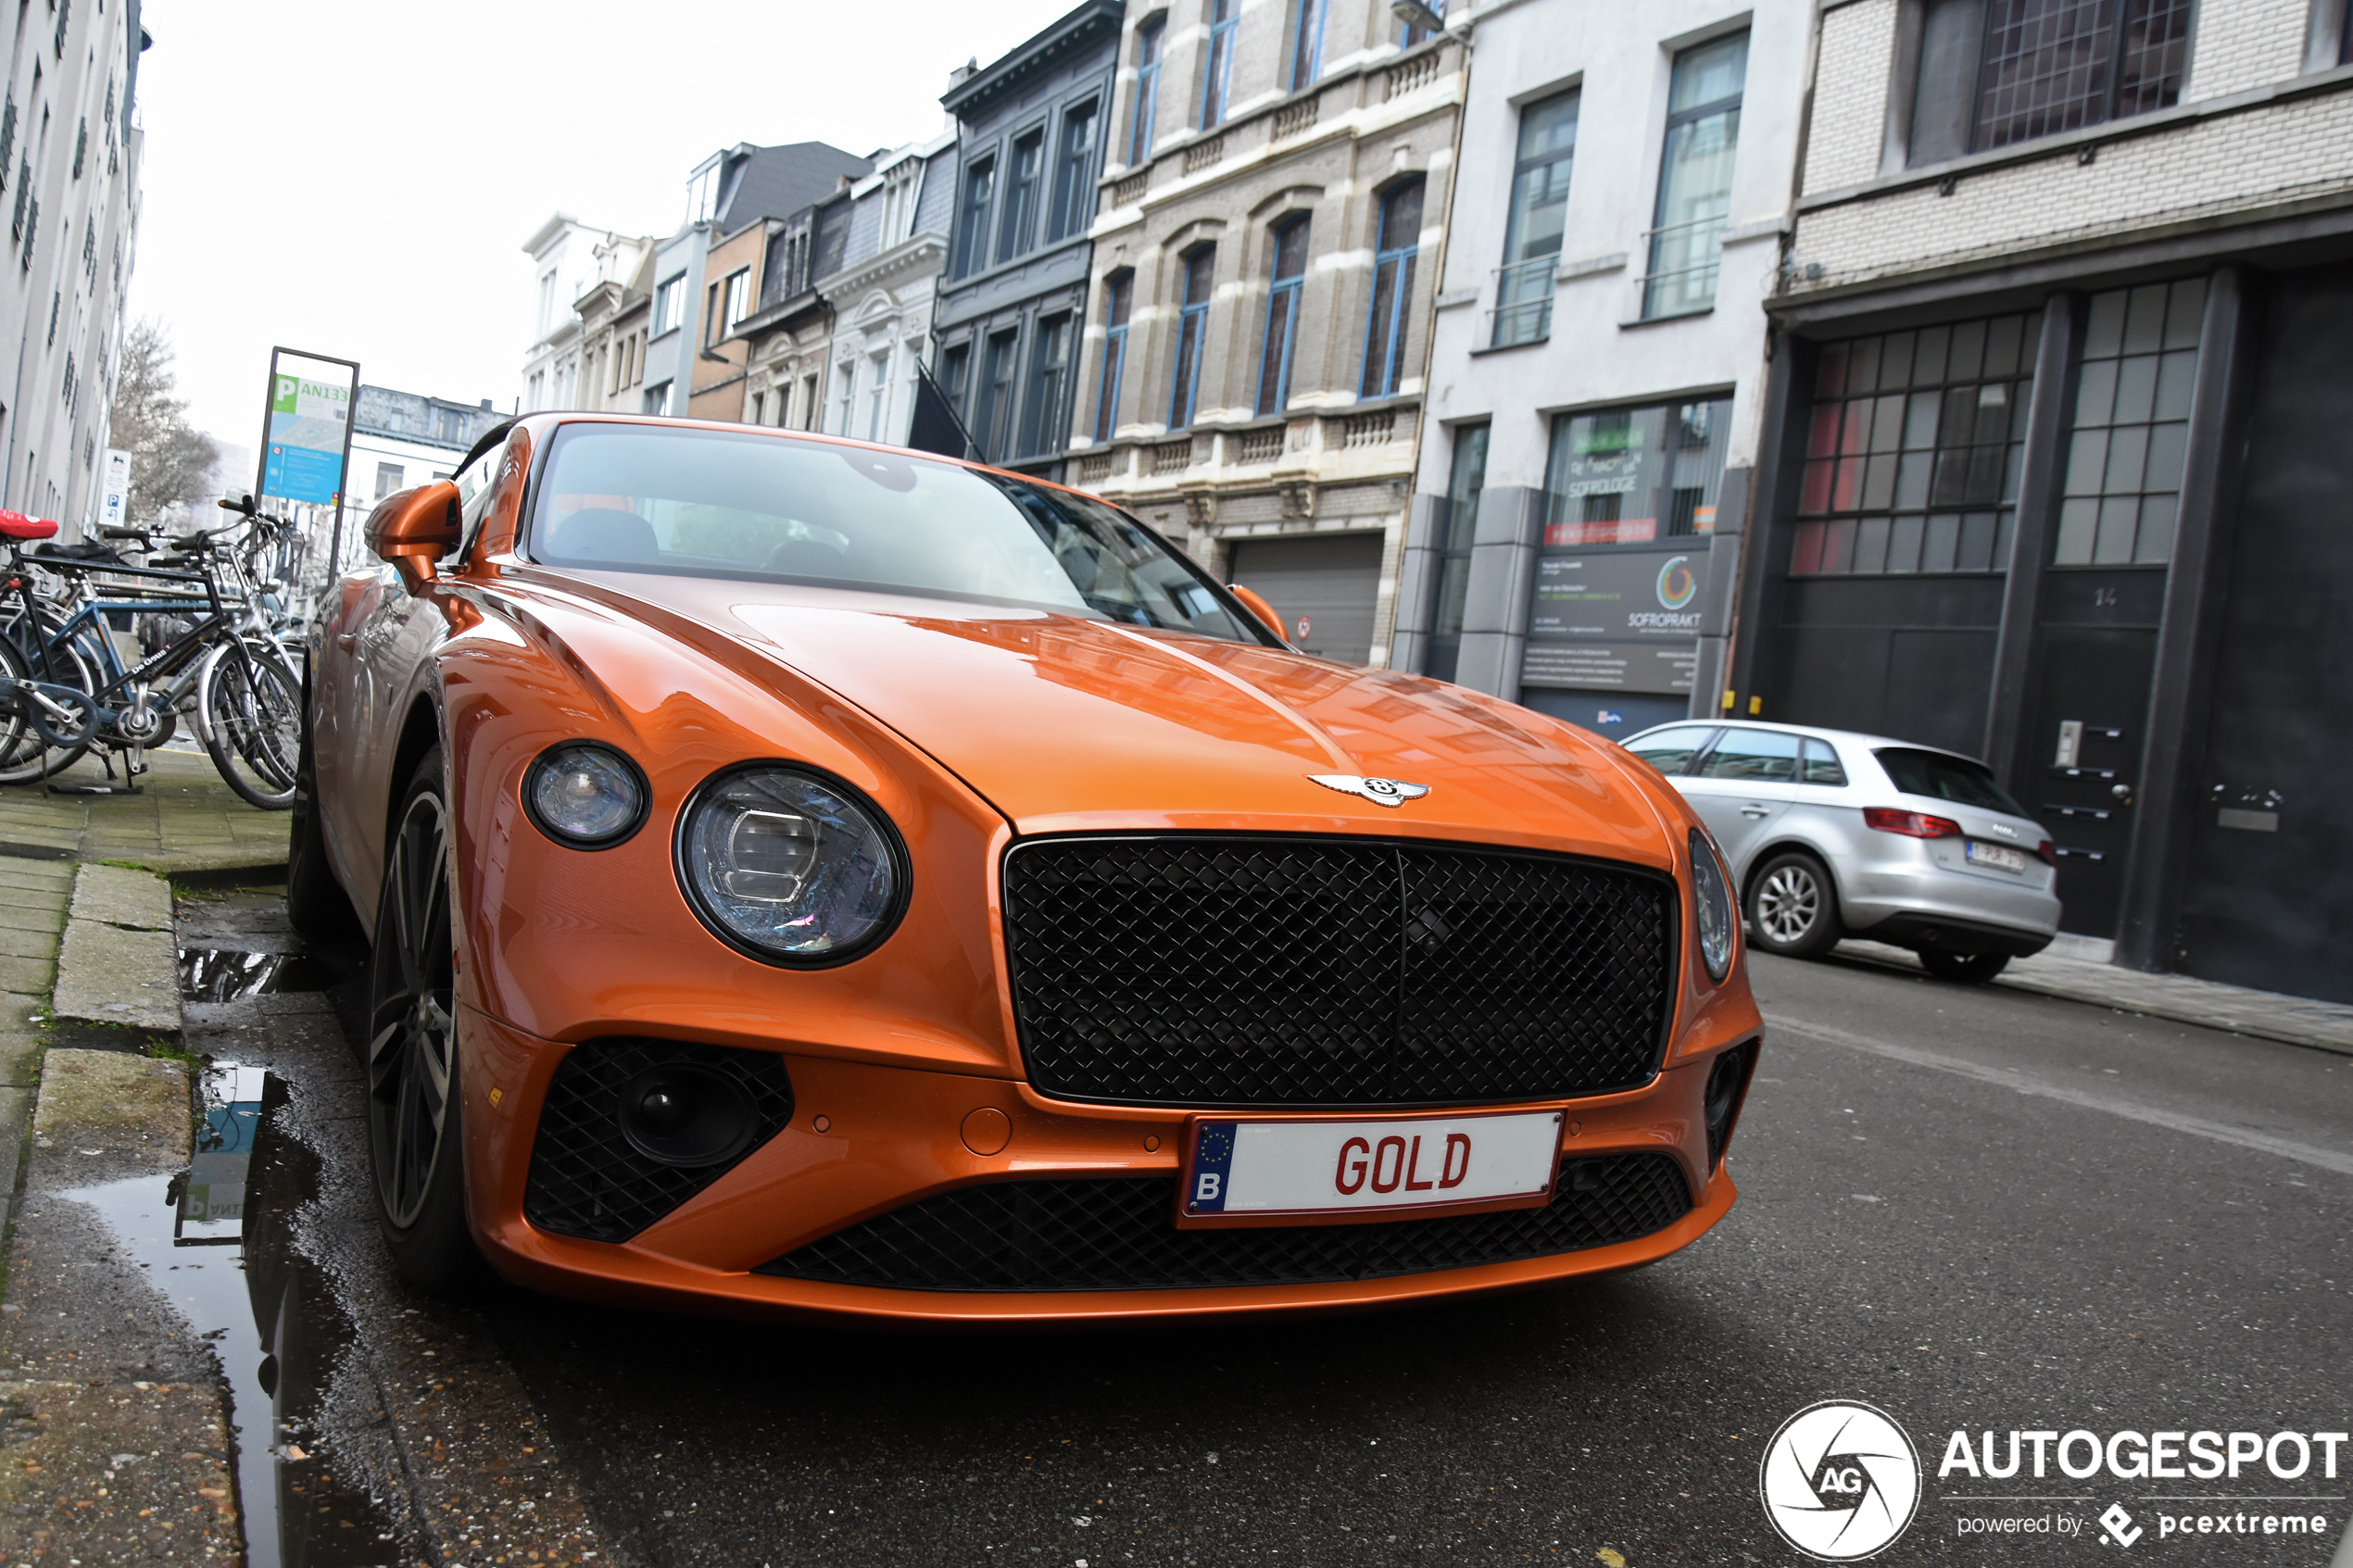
(1095, 21)
(914, 257)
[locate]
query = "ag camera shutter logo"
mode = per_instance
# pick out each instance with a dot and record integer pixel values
(1839, 1481)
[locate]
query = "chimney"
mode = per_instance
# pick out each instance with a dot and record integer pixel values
(970, 68)
(485, 405)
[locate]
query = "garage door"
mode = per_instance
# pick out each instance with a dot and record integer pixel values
(1323, 588)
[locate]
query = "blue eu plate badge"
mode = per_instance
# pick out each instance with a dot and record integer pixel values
(1213, 1169)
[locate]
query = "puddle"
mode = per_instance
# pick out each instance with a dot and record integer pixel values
(232, 974)
(217, 1240)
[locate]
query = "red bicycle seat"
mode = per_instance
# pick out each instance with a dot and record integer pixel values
(16, 525)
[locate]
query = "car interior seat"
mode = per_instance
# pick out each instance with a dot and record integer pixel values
(605, 533)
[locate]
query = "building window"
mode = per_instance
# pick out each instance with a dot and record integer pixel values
(1192, 328)
(1912, 450)
(1282, 316)
(971, 231)
(1217, 72)
(737, 302)
(1139, 134)
(1014, 236)
(389, 478)
(1458, 529)
(1308, 43)
(1418, 24)
(1696, 177)
(902, 183)
(2054, 65)
(877, 394)
(993, 421)
(669, 302)
(1119, 293)
(809, 401)
(1538, 219)
(657, 398)
(1074, 172)
(845, 400)
(1628, 476)
(759, 407)
(1398, 245)
(2132, 432)
(1042, 420)
(546, 301)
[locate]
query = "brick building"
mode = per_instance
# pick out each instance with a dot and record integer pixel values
(2052, 467)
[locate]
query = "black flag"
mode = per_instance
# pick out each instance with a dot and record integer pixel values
(935, 427)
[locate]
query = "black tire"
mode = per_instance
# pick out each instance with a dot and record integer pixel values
(254, 708)
(1793, 907)
(1969, 969)
(316, 903)
(416, 1141)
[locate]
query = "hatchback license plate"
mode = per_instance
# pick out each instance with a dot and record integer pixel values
(1266, 1169)
(1995, 855)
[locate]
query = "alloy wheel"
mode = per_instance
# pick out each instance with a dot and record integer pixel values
(411, 1041)
(1789, 904)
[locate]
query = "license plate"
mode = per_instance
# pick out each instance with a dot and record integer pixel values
(1993, 855)
(1278, 1168)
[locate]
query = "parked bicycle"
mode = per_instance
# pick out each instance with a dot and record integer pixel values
(210, 651)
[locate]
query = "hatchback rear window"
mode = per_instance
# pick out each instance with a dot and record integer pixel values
(1939, 777)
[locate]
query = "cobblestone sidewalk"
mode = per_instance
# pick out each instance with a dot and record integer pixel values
(183, 819)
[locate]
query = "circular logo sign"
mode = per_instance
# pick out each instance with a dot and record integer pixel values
(1839, 1481)
(1676, 583)
(1306, 624)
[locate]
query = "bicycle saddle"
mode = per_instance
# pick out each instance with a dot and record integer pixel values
(16, 525)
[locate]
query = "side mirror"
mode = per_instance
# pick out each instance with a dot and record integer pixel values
(414, 528)
(1261, 608)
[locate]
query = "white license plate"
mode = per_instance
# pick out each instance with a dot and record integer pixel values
(1993, 855)
(1382, 1165)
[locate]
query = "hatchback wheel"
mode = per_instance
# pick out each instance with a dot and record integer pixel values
(415, 1143)
(1792, 908)
(1972, 969)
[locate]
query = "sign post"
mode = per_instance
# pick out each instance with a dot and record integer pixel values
(306, 435)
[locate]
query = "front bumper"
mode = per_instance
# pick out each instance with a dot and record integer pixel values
(894, 1136)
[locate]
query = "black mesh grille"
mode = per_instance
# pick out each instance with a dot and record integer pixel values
(1236, 971)
(1118, 1234)
(586, 1178)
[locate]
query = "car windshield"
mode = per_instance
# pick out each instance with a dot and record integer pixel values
(709, 503)
(1941, 777)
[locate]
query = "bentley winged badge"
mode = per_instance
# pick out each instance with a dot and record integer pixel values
(1380, 792)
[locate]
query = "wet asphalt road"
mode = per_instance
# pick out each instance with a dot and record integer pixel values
(1973, 1208)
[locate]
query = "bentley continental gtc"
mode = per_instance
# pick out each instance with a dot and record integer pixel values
(803, 876)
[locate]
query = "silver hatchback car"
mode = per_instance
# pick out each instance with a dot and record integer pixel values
(1829, 833)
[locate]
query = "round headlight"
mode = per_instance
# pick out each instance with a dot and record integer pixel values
(587, 796)
(790, 867)
(1711, 906)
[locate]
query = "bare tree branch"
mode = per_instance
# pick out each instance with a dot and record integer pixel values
(170, 459)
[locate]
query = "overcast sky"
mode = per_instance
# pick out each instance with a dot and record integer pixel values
(357, 180)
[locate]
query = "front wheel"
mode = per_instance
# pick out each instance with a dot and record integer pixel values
(253, 710)
(416, 1144)
(1969, 969)
(1793, 909)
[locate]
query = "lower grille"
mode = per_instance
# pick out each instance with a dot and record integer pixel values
(588, 1180)
(1118, 1234)
(1227, 971)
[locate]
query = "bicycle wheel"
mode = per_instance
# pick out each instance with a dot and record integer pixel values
(254, 707)
(24, 756)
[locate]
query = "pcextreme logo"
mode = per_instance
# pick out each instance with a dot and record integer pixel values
(1839, 1481)
(1676, 583)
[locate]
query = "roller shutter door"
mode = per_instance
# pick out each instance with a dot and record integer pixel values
(1330, 582)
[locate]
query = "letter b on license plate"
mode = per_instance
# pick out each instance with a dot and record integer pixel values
(1381, 1166)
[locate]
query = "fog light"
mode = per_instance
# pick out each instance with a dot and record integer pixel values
(1727, 1083)
(585, 796)
(686, 1115)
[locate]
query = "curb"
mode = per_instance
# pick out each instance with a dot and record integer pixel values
(117, 966)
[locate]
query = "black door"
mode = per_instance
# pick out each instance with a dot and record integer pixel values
(2081, 769)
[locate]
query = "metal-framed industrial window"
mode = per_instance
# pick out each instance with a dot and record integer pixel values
(1282, 316)
(2054, 65)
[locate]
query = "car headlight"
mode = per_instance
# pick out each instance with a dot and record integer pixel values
(1711, 906)
(585, 796)
(790, 866)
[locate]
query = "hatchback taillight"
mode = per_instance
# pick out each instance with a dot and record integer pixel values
(1911, 824)
(2047, 852)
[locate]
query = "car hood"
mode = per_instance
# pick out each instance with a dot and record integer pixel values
(1068, 723)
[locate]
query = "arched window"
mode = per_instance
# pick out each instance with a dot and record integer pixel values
(1282, 316)
(1193, 329)
(1395, 251)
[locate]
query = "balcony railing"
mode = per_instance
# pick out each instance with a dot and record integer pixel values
(1684, 258)
(1523, 301)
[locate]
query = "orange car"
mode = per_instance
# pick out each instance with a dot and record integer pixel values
(805, 875)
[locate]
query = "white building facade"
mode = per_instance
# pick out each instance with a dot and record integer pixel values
(568, 259)
(1597, 351)
(881, 296)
